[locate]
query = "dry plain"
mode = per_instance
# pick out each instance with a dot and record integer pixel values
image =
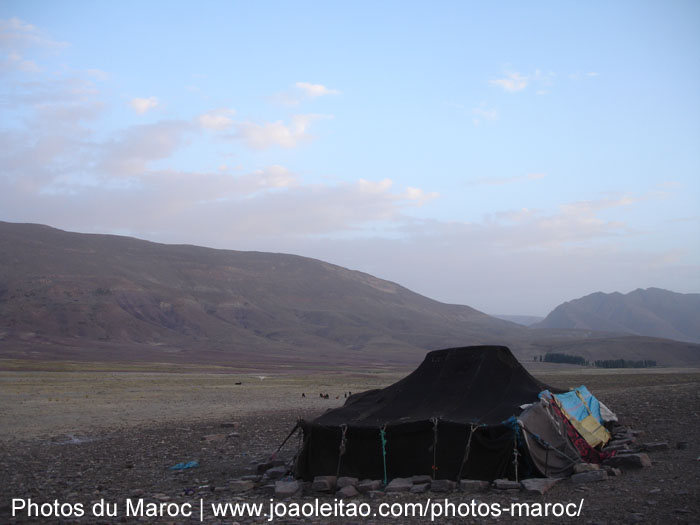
(112, 434)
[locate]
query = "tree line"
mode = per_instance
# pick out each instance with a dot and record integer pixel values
(555, 357)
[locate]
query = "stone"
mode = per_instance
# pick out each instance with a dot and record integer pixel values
(241, 485)
(473, 485)
(348, 491)
(251, 477)
(286, 489)
(506, 484)
(324, 484)
(420, 488)
(419, 480)
(442, 485)
(264, 467)
(538, 485)
(345, 481)
(229, 424)
(682, 445)
(585, 467)
(374, 494)
(629, 461)
(399, 485)
(275, 472)
(368, 485)
(655, 447)
(589, 477)
(622, 441)
(612, 471)
(214, 437)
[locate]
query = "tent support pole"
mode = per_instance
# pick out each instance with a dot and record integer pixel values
(465, 458)
(515, 453)
(435, 438)
(382, 435)
(341, 448)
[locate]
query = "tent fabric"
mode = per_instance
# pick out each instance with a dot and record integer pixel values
(470, 412)
(607, 415)
(583, 411)
(479, 384)
(548, 445)
(586, 451)
(427, 418)
(580, 403)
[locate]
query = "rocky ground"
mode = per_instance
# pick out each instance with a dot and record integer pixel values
(89, 460)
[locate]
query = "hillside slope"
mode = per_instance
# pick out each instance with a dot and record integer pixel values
(75, 294)
(104, 298)
(652, 312)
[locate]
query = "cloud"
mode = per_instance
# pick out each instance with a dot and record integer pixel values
(512, 82)
(18, 34)
(483, 113)
(16, 61)
(268, 134)
(302, 91)
(142, 105)
(132, 151)
(217, 120)
(315, 90)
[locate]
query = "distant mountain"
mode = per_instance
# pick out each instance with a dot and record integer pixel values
(652, 312)
(79, 296)
(104, 298)
(524, 320)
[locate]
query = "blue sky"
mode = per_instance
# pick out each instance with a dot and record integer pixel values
(505, 155)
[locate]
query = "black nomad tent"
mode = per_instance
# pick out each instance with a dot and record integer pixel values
(454, 417)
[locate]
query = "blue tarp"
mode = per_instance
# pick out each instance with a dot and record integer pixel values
(573, 403)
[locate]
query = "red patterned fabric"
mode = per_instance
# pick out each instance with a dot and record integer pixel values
(587, 452)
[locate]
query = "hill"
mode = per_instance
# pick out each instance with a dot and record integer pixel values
(78, 296)
(652, 312)
(103, 298)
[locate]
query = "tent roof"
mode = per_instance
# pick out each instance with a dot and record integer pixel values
(478, 384)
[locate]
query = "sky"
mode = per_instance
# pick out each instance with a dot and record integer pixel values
(509, 156)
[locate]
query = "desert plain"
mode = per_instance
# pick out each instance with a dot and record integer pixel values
(84, 434)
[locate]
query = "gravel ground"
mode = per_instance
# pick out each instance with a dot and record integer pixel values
(59, 445)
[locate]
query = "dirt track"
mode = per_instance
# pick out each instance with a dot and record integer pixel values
(76, 437)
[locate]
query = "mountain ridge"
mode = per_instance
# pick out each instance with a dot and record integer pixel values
(94, 297)
(652, 312)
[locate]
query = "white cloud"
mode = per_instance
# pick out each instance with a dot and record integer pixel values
(132, 151)
(315, 90)
(512, 82)
(16, 61)
(217, 120)
(302, 91)
(483, 113)
(142, 105)
(268, 134)
(419, 196)
(18, 34)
